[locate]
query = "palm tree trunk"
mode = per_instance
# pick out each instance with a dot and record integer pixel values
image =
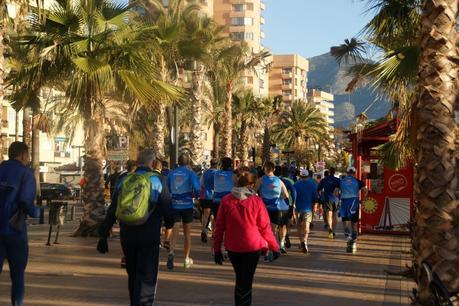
(266, 154)
(16, 127)
(26, 127)
(436, 239)
(216, 141)
(36, 153)
(196, 135)
(244, 143)
(93, 191)
(158, 130)
(227, 126)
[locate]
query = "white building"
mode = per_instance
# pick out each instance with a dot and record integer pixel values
(324, 102)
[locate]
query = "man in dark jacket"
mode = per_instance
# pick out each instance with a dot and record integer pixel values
(17, 195)
(141, 243)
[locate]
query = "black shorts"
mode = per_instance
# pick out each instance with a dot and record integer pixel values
(278, 217)
(183, 215)
(214, 209)
(354, 218)
(205, 203)
(330, 206)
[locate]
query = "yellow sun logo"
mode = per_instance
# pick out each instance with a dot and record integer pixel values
(370, 205)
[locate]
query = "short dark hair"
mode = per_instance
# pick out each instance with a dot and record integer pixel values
(213, 162)
(227, 163)
(332, 171)
(326, 173)
(16, 149)
(184, 159)
(284, 171)
(269, 166)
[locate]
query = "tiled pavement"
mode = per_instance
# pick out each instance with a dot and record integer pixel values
(73, 273)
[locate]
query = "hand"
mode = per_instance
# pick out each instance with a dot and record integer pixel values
(218, 257)
(276, 255)
(102, 246)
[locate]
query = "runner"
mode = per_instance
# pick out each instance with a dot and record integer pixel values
(306, 197)
(207, 193)
(273, 193)
(183, 183)
(349, 188)
(243, 224)
(326, 188)
(223, 183)
(289, 183)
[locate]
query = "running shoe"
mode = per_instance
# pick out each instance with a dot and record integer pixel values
(347, 233)
(334, 234)
(304, 248)
(170, 262)
(268, 257)
(283, 250)
(166, 245)
(123, 262)
(330, 235)
(225, 255)
(288, 245)
(188, 263)
(203, 237)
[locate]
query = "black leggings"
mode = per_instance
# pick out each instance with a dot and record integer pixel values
(244, 265)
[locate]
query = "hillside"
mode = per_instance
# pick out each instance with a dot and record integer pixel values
(325, 73)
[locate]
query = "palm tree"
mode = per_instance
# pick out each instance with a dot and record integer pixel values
(213, 114)
(248, 115)
(436, 237)
(270, 116)
(301, 124)
(229, 62)
(100, 51)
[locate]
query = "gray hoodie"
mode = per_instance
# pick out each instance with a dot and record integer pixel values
(242, 193)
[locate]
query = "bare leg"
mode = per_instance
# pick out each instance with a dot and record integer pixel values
(205, 218)
(173, 238)
(187, 234)
(282, 234)
(330, 221)
(301, 230)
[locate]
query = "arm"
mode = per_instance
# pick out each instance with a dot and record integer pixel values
(220, 227)
(196, 185)
(363, 188)
(164, 204)
(110, 217)
(284, 193)
(264, 226)
(257, 186)
(27, 194)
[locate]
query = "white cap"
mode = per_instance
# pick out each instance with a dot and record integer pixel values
(350, 169)
(304, 172)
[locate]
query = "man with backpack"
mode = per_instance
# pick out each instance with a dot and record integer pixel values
(139, 201)
(17, 195)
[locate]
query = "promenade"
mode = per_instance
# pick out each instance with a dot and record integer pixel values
(73, 273)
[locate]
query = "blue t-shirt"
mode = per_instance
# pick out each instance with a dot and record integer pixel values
(270, 192)
(350, 187)
(306, 195)
(207, 184)
(183, 183)
(327, 187)
(222, 183)
(288, 182)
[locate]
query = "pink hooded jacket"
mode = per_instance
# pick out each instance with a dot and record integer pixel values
(244, 222)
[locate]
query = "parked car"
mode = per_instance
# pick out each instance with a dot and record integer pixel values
(52, 191)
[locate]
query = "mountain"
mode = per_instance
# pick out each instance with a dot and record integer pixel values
(327, 75)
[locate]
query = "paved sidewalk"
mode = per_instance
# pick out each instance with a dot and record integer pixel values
(73, 273)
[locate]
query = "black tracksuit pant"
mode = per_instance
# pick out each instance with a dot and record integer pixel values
(244, 265)
(142, 263)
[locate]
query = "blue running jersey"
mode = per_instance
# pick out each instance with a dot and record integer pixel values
(223, 184)
(350, 187)
(207, 184)
(270, 192)
(183, 183)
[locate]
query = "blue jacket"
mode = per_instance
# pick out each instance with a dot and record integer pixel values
(207, 182)
(306, 191)
(327, 187)
(150, 231)
(17, 190)
(183, 183)
(289, 184)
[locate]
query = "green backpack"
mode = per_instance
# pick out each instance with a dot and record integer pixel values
(134, 199)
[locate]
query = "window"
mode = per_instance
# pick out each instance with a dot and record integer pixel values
(239, 7)
(249, 80)
(286, 70)
(261, 83)
(287, 82)
(287, 93)
(242, 35)
(239, 21)
(296, 82)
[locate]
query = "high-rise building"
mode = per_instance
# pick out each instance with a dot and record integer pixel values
(245, 20)
(324, 102)
(288, 77)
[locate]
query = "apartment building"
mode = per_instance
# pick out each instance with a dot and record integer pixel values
(288, 77)
(245, 21)
(324, 102)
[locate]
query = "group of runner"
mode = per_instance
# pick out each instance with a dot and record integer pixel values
(290, 199)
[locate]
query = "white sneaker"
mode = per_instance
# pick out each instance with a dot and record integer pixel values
(188, 263)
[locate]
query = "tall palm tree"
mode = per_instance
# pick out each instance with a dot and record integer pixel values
(300, 124)
(270, 116)
(229, 63)
(100, 52)
(436, 233)
(248, 115)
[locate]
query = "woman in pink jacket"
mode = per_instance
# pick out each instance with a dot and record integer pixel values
(244, 222)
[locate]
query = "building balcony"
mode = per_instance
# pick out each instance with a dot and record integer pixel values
(262, 34)
(287, 98)
(262, 20)
(262, 6)
(287, 86)
(287, 75)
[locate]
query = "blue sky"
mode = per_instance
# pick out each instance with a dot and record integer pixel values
(311, 27)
